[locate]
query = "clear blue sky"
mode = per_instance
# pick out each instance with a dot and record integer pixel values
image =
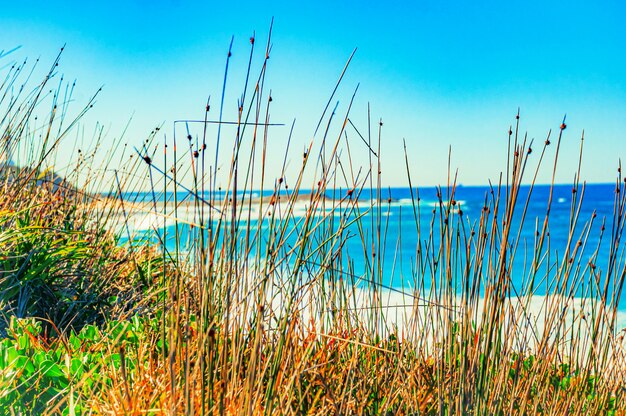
(439, 74)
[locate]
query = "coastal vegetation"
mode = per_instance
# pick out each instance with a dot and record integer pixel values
(246, 307)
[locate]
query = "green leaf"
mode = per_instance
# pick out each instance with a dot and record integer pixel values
(89, 332)
(75, 341)
(51, 369)
(11, 355)
(23, 341)
(76, 366)
(116, 360)
(39, 357)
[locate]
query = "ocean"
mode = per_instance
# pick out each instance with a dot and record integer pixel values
(390, 243)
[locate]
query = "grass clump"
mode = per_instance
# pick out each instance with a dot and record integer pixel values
(247, 300)
(59, 265)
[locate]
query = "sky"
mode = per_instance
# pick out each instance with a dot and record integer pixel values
(442, 76)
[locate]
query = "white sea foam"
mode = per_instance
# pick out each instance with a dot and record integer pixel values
(529, 323)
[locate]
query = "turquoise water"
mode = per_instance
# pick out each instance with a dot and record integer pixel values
(404, 219)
